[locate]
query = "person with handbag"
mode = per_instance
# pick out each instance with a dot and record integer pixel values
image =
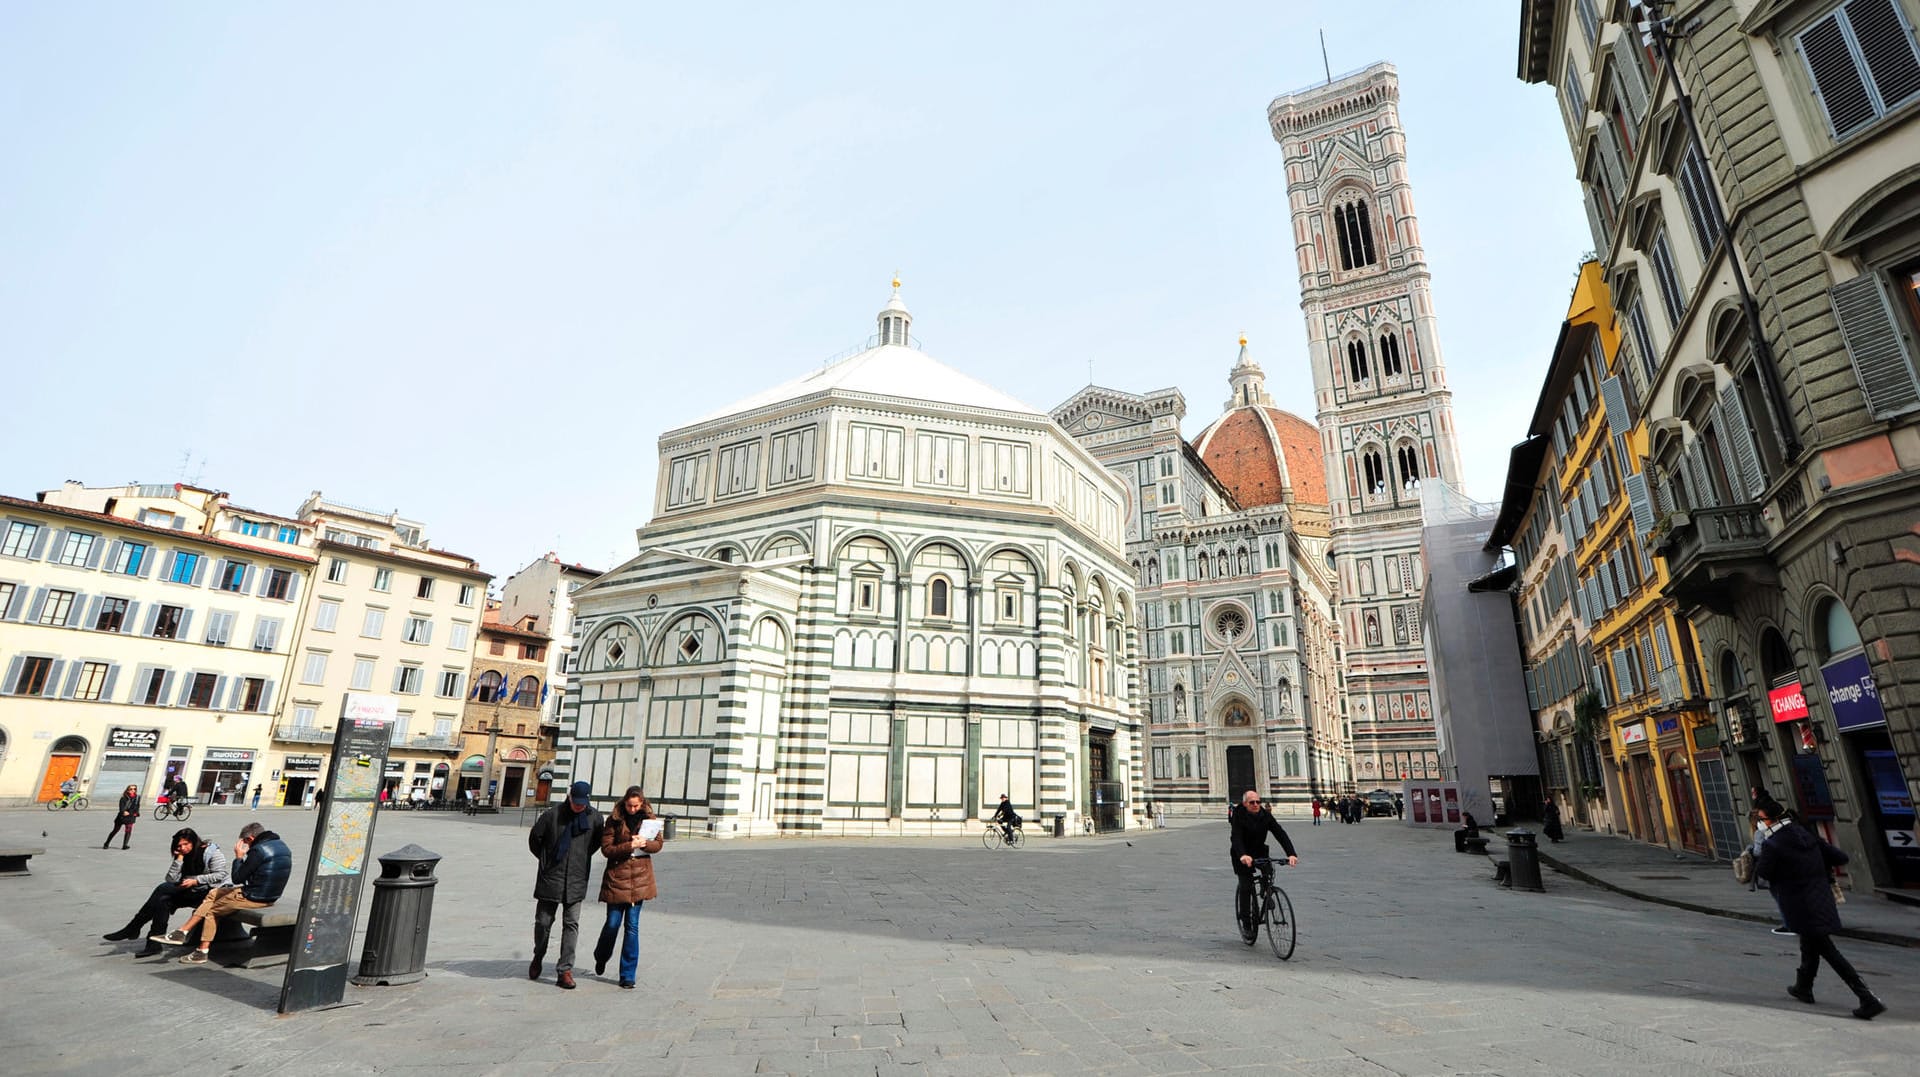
(1798, 866)
(124, 819)
(626, 884)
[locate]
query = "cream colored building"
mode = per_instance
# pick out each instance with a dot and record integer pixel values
(143, 629)
(390, 615)
(544, 592)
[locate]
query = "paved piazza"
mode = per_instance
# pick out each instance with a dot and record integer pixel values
(931, 956)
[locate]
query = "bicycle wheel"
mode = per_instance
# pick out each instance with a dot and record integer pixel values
(79, 803)
(56, 803)
(1019, 838)
(1279, 914)
(160, 812)
(991, 839)
(1244, 919)
(183, 811)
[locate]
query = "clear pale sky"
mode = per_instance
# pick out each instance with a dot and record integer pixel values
(469, 261)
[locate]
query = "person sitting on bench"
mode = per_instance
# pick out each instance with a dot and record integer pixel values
(198, 867)
(262, 865)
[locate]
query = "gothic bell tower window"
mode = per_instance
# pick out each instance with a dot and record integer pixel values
(1353, 231)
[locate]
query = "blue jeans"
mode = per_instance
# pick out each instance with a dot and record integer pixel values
(618, 915)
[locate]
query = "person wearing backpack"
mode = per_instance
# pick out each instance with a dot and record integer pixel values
(1798, 866)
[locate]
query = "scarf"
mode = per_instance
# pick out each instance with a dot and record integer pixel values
(194, 864)
(563, 842)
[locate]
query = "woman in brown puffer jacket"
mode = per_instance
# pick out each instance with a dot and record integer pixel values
(627, 884)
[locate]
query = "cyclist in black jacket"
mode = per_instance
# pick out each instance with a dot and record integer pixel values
(1251, 823)
(1006, 817)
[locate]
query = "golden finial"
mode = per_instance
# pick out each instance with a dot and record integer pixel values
(1243, 340)
(896, 280)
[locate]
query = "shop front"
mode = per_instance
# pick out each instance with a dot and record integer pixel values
(126, 760)
(1640, 776)
(473, 775)
(224, 774)
(1716, 791)
(1887, 820)
(1681, 792)
(299, 775)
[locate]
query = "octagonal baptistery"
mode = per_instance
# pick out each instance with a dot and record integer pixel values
(870, 600)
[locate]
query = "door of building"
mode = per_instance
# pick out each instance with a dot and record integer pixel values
(1718, 794)
(1646, 800)
(510, 786)
(1686, 810)
(59, 769)
(119, 771)
(1239, 771)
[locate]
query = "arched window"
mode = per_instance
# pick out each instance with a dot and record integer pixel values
(527, 692)
(1353, 230)
(1375, 472)
(1358, 369)
(1409, 459)
(1390, 366)
(1834, 629)
(487, 687)
(939, 598)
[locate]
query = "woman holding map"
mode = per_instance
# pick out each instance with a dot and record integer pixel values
(631, 838)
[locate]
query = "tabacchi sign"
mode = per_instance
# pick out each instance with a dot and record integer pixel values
(1789, 702)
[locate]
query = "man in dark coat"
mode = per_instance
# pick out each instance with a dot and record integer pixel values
(1798, 866)
(564, 838)
(1251, 824)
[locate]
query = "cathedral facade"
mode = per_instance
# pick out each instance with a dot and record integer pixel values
(870, 600)
(1384, 411)
(1226, 538)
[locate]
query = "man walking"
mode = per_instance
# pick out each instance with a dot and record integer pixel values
(262, 865)
(564, 839)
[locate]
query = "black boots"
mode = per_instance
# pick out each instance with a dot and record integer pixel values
(1802, 987)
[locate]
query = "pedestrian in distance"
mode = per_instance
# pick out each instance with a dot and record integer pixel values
(1550, 822)
(124, 819)
(1399, 806)
(1798, 865)
(262, 864)
(198, 866)
(176, 789)
(1316, 811)
(626, 884)
(564, 839)
(256, 799)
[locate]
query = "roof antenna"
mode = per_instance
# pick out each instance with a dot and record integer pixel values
(1323, 57)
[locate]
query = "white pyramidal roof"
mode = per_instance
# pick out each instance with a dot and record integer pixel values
(890, 370)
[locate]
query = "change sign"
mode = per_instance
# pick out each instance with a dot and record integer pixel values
(1851, 690)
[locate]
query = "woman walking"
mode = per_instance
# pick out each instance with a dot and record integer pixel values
(124, 819)
(626, 884)
(198, 866)
(1798, 866)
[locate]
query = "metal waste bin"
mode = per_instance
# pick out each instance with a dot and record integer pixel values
(396, 946)
(669, 827)
(1523, 859)
(1060, 826)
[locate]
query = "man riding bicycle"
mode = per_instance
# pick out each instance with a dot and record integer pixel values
(1006, 817)
(1251, 823)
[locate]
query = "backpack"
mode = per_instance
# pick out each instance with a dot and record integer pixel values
(1743, 867)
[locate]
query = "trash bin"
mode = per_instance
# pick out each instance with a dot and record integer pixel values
(670, 826)
(1060, 826)
(396, 946)
(1523, 854)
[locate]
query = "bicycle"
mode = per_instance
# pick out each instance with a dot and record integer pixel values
(996, 838)
(177, 809)
(76, 801)
(1276, 911)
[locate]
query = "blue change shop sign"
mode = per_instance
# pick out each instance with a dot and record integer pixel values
(1854, 696)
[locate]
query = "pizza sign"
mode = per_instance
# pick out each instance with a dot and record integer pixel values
(1789, 702)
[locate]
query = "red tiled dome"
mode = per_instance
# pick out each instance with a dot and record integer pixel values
(1261, 453)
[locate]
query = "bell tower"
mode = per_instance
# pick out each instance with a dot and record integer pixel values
(1380, 396)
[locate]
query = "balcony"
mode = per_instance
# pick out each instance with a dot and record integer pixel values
(427, 743)
(303, 734)
(1713, 554)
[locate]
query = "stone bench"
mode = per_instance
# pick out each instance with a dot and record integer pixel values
(269, 943)
(1474, 845)
(13, 861)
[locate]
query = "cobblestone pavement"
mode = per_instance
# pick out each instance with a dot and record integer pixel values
(933, 955)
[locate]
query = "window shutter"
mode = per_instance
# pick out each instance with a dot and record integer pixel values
(1887, 46)
(127, 620)
(1595, 222)
(1735, 428)
(1614, 395)
(399, 675)
(55, 546)
(186, 625)
(51, 689)
(1836, 79)
(113, 552)
(77, 613)
(1606, 584)
(106, 683)
(1640, 503)
(13, 674)
(1880, 357)
(166, 686)
(147, 561)
(39, 601)
(220, 694)
(266, 696)
(153, 621)
(1626, 68)
(172, 557)
(199, 571)
(1610, 159)
(73, 681)
(1663, 647)
(293, 586)
(39, 544)
(15, 605)
(219, 572)
(94, 551)
(1703, 492)
(186, 689)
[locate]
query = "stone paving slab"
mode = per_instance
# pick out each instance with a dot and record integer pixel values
(935, 956)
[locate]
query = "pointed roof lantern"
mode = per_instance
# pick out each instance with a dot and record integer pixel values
(1248, 382)
(895, 320)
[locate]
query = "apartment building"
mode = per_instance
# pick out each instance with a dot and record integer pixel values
(145, 630)
(390, 614)
(507, 745)
(544, 592)
(1749, 173)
